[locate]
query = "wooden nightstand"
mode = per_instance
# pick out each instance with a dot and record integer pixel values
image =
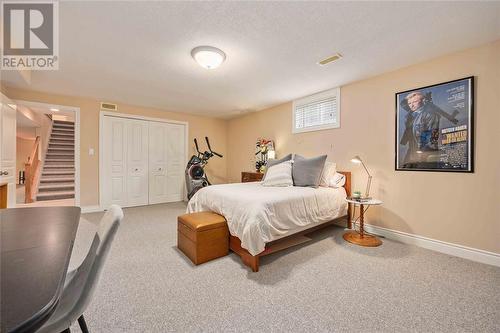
(360, 238)
(251, 177)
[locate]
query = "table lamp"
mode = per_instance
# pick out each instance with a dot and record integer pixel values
(271, 154)
(356, 159)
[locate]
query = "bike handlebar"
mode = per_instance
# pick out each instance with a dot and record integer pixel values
(196, 144)
(210, 148)
(217, 154)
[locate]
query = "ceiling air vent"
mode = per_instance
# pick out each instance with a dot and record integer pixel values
(330, 59)
(109, 106)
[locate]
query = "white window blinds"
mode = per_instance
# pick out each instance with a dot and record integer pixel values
(317, 112)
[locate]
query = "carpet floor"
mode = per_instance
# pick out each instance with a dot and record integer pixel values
(325, 285)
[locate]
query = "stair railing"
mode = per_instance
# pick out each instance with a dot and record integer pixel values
(32, 170)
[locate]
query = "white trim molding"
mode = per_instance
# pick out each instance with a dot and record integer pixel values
(456, 250)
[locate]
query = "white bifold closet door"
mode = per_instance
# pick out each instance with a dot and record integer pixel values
(137, 163)
(143, 162)
(166, 162)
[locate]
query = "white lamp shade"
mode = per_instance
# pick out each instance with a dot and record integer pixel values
(208, 57)
(356, 159)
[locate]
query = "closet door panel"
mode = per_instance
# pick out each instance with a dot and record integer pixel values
(114, 156)
(175, 147)
(157, 163)
(137, 162)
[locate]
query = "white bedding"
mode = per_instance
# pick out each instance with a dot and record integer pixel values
(258, 214)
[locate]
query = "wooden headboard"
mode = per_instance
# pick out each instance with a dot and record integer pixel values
(347, 184)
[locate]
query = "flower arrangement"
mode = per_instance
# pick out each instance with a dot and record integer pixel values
(262, 149)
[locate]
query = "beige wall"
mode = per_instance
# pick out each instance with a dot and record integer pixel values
(457, 208)
(199, 127)
(451, 207)
(23, 151)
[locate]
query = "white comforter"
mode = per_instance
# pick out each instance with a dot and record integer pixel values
(258, 214)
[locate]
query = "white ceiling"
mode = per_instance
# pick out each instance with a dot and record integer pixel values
(139, 52)
(25, 117)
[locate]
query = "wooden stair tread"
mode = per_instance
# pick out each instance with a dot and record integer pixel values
(51, 193)
(56, 185)
(61, 139)
(61, 143)
(54, 180)
(71, 148)
(58, 172)
(62, 165)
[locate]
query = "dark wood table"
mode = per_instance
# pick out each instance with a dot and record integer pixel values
(36, 246)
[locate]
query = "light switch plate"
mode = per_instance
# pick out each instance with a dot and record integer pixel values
(91, 151)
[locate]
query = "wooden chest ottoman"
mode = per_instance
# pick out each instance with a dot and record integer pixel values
(202, 236)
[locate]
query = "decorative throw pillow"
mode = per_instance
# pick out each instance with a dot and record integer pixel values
(338, 180)
(279, 175)
(273, 161)
(327, 174)
(307, 171)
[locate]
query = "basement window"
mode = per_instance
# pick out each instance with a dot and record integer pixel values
(317, 112)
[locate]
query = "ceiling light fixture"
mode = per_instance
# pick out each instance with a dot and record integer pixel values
(330, 59)
(54, 110)
(208, 57)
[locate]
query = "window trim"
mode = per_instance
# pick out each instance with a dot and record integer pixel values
(313, 98)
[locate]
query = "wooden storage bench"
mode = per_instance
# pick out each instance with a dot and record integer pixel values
(202, 236)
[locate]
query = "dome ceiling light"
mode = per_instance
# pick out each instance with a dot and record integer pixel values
(208, 57)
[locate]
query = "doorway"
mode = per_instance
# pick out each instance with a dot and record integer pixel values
(47, 154)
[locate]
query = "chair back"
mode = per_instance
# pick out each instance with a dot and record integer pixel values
(91, 267)
(81, 283)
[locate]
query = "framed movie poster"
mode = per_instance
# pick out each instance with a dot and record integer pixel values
(434, 127)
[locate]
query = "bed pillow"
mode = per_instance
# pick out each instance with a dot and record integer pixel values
(307, 171)
(279, 175)
(273, 161)
(338, 180)
(327, 174)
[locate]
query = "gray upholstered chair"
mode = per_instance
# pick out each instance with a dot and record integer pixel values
(83, 241)
(81, 283)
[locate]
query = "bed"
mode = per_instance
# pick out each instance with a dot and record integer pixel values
(263, 220)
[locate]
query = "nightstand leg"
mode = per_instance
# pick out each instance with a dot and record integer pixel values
(359, 238)
(361, 221)
(349, 215)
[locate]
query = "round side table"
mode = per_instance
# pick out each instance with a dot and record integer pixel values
(360, 238)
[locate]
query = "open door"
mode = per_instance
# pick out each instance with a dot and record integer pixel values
(7, 153)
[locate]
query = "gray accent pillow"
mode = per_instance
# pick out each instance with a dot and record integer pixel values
(307, 171)
(273, 161)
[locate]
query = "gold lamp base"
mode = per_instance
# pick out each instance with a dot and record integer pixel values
(362, 240)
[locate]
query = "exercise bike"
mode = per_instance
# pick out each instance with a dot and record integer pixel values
(196, 178)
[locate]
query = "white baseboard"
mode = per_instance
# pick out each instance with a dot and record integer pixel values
(461, 251)
(92, 209)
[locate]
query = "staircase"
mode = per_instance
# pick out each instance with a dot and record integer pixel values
(58, 175)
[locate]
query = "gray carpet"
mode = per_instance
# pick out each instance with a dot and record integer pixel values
(324, 285)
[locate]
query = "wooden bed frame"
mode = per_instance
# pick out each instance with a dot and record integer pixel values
(288, 241)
